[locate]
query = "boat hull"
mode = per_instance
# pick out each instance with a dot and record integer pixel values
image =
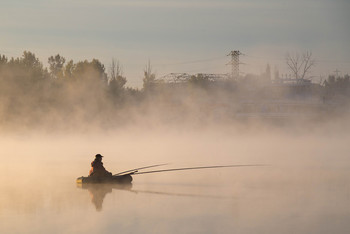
(122, 179)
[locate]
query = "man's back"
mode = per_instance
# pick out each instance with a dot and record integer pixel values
(97, 168)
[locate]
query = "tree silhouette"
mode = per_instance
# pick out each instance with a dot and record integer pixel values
(149, 77)
(300, 65)
(56, 66)
(116, 80)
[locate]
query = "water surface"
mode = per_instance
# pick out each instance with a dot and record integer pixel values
(305, 188)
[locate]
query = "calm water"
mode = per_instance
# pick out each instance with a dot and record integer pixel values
(305, 188)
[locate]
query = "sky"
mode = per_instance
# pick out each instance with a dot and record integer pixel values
(191, 36)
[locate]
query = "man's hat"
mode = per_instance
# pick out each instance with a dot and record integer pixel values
(98, 156)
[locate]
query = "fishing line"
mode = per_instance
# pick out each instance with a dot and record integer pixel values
(196, 168)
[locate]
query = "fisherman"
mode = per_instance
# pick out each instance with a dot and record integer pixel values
(97, 168)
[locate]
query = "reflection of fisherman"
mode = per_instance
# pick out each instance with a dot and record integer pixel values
(98, 193)
(97, 168)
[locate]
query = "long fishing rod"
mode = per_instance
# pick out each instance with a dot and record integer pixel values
(196, 168)
(136, 169)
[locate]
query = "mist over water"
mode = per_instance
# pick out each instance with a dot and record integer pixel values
(284, 105)
(304, 187)
(53, 124)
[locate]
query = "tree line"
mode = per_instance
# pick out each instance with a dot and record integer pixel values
(85, 91)
(337, 86)
(29, 92)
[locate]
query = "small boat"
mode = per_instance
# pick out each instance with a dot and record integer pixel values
(116, 179)
(126, 178)
(122, 178)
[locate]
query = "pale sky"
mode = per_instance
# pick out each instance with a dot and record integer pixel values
(192, 36)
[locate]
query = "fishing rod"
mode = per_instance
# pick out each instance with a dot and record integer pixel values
(196, 168)
(133, 171)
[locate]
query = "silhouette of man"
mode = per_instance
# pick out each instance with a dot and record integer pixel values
(97, 168)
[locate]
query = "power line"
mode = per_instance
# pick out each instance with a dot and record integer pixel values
(265, 58)
(198, 70)
(331, 61)
(192, 61)
(283, 59)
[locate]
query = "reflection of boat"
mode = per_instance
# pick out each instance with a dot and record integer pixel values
(116, 179)
(104, 186)
(99, 191)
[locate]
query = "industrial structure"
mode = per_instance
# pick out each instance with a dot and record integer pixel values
(234, 63)
(176, 78)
